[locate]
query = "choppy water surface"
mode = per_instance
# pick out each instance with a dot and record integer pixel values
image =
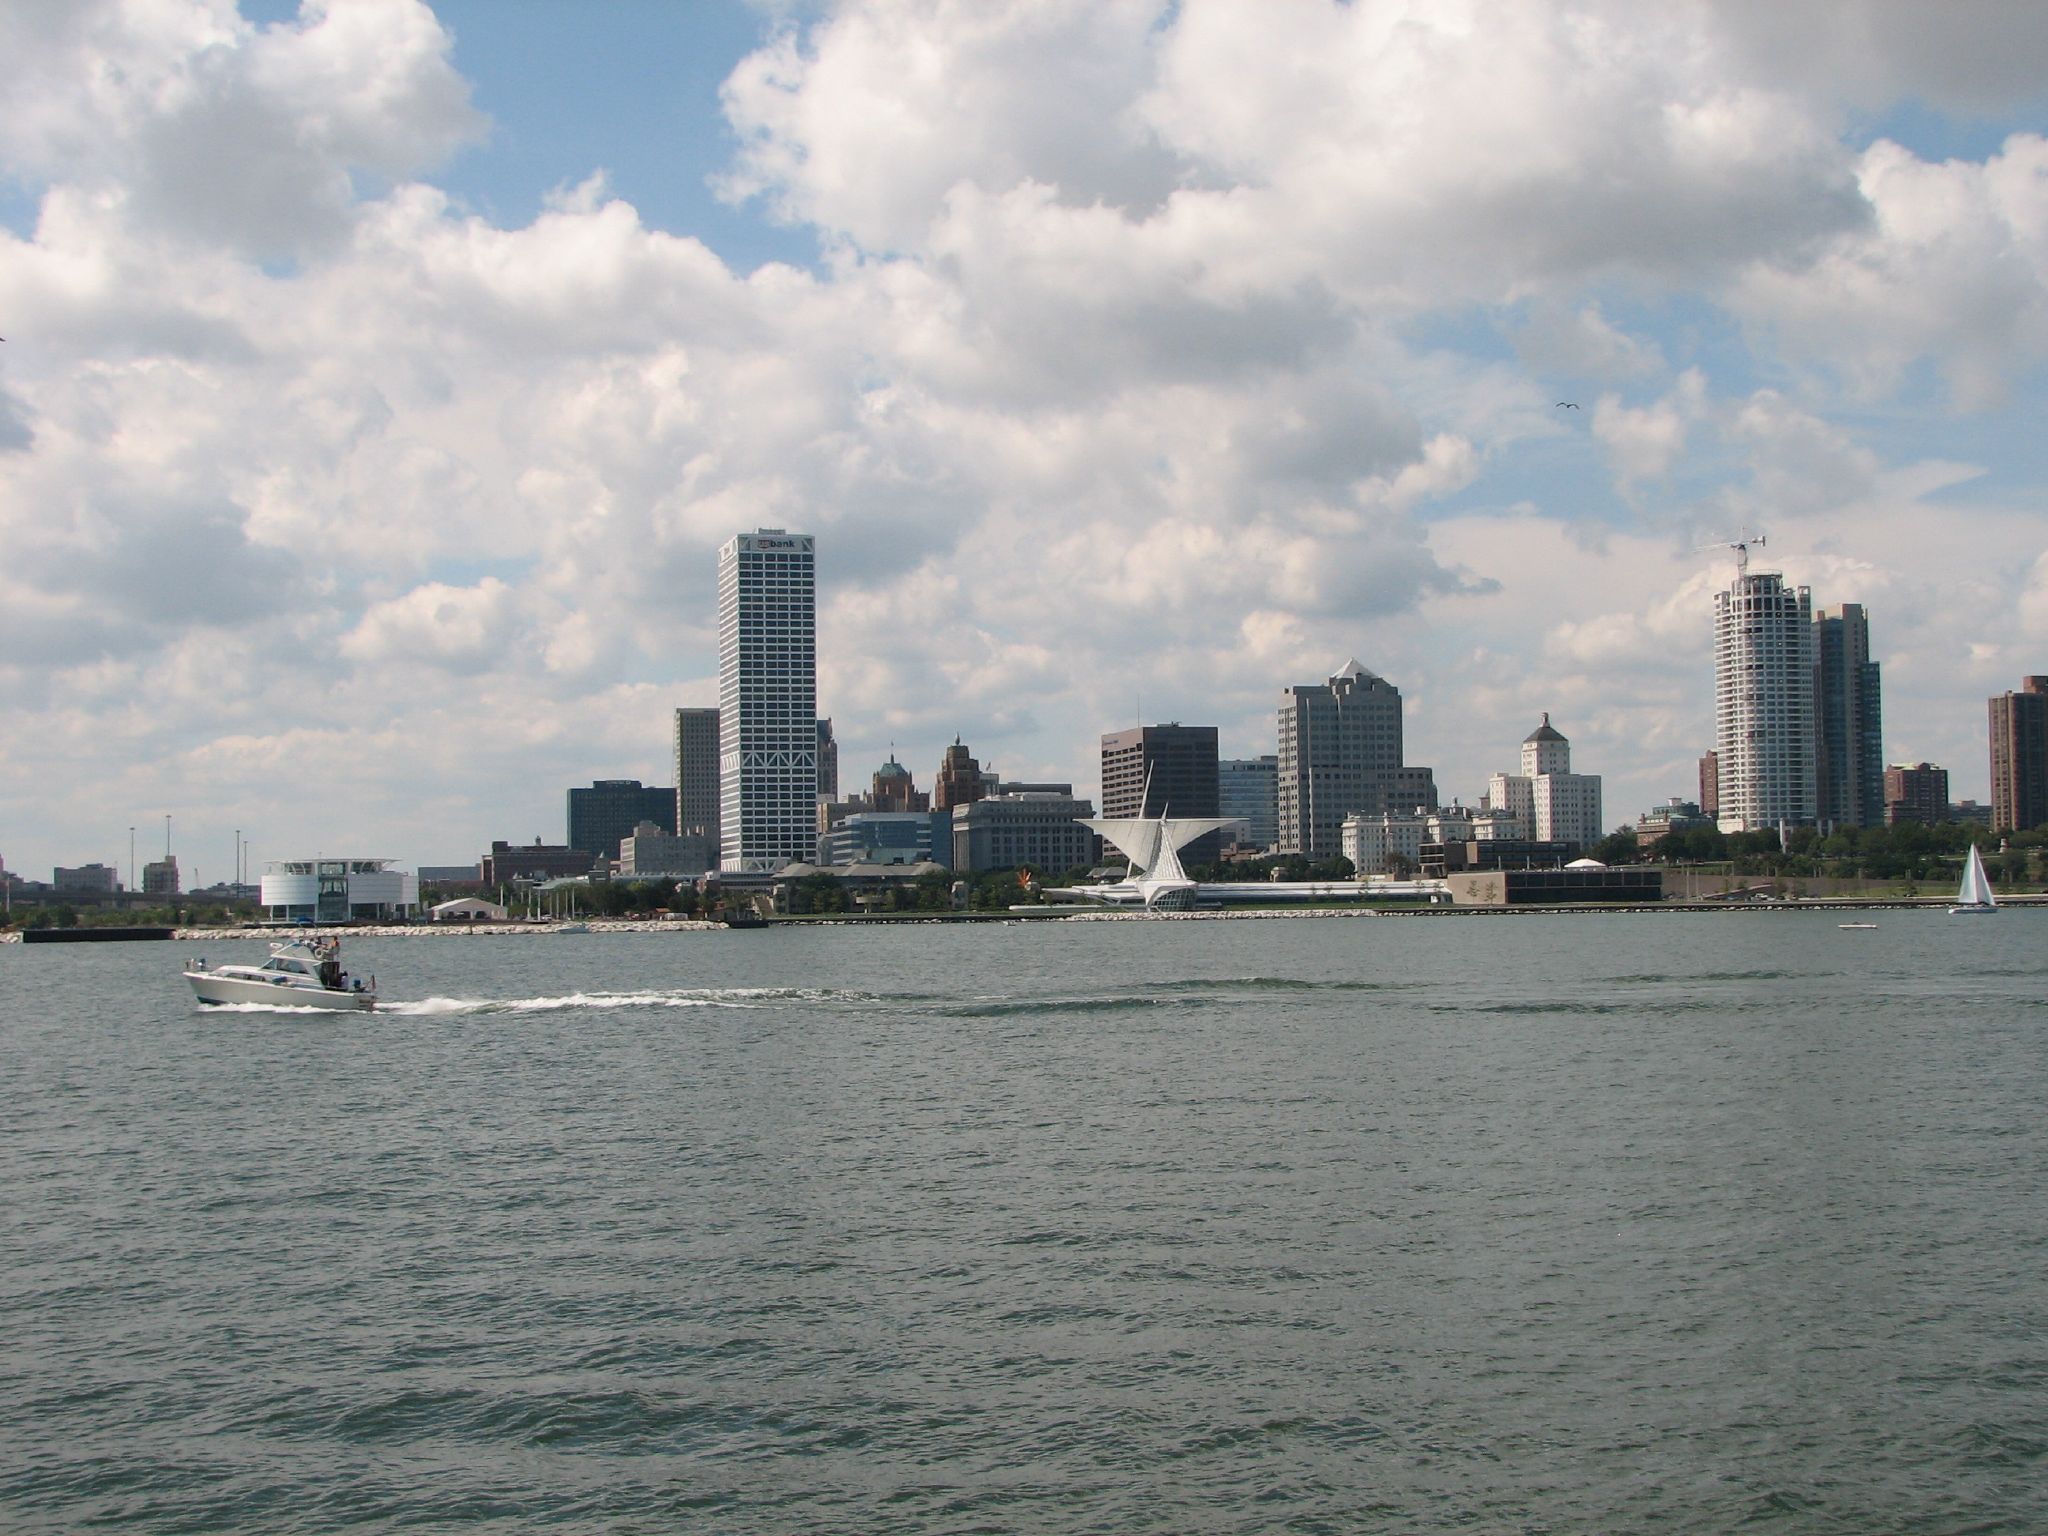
(1504, 1224)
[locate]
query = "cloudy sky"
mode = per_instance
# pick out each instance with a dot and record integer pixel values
(381, 378)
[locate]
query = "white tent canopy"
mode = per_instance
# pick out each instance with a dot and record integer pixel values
(468, 909)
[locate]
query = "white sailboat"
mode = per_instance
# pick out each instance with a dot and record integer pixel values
(1975, 894)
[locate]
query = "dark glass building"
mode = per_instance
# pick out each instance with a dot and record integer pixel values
(605, 814)
(1848, 721)
(1179, 763)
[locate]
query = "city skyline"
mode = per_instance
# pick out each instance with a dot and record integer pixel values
(370, 417)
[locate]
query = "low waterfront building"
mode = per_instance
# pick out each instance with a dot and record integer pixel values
(878, 837)
(864, 884)
(1389, 843)
(324, 890)
(1440, 860)
(535, 861)
(651, 851)
(468, 909)
(1674, 815)
(86, 880)
(1580, 885)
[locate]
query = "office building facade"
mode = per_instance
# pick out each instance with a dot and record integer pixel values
(1040, 828)
(1763, 704)
(879, 837)
(959, 780)
(651, 852)
(86, 879)
(1387, 844)
(1341, 755)
(2019, 757)
(1246, 788)
(696, 750)
(1546, 801)
(160, 877)
(1916, 792)
(1155, 770)
(603, 815)
(893, 789)
(1848, 721)
(767, 700)
(828, 760)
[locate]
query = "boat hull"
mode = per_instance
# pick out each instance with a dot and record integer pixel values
(211, 988)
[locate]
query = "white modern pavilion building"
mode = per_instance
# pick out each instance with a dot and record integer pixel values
(324, 890)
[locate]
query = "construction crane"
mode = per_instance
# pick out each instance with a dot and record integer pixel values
(1741, 546)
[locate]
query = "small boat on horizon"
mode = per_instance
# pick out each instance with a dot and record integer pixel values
(302, 973)
(1855, 925)
(1975, 892)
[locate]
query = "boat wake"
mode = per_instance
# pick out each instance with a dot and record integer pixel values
(274, 1008)
(695, 997)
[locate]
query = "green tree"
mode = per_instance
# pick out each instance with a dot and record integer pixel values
(818, 893)
(1618, 847)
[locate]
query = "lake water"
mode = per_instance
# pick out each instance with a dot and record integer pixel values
(1537, 1224)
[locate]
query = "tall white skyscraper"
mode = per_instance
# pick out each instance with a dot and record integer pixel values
(1763, 703)
(767, 700)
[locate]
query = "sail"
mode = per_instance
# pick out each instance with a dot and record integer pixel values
(1976, 889)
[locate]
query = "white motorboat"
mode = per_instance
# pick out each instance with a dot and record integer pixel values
(1975, 894)
(303, 973)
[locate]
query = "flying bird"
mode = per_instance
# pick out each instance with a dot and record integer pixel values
(1570, 405)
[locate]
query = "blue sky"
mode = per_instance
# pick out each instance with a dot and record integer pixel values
(629, 89)
(363, 476)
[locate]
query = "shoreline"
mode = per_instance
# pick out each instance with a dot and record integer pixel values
(217, 933)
